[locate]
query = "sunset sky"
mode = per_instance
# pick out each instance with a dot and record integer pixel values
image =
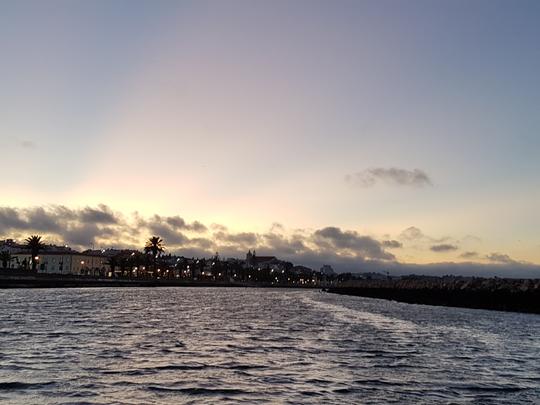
(363, 134)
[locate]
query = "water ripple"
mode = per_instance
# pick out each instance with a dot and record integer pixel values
(208, 345)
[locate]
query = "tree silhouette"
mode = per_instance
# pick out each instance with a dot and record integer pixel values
(5, 258)
(155, 246)
(112, 262)
(35, 245)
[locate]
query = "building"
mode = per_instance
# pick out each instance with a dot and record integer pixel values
(252, 260)
(63, 260)
(10, 245)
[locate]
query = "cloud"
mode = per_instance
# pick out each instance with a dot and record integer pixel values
(469, 255)
(277, 227)
(179, 223)
(243, 238)
(334, 238)
(411, 233)
(391, 176)
(471, 239)
(10, 219)
(501, 258)
(443, 247)
(102, 215)
(392, 244)
(508, 270)
(26, 144)
(345, 250)
(414, 234)
(82, 235)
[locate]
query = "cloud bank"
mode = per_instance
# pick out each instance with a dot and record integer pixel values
(345, 250)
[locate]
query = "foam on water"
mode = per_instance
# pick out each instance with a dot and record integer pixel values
(358, 315)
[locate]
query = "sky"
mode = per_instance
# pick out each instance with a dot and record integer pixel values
(370, 135)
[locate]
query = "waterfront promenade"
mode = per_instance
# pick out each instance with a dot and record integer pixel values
(24, 279)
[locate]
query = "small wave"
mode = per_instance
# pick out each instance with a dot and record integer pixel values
(371, 381)
(198, 391)
(311, 393)
(197, 366)
(135, 372)
(494, 389)
(17, 385)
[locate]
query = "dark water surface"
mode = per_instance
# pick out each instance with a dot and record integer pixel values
(209, 345)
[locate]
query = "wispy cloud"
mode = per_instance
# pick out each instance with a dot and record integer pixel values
(26, 144)
(469, 255)
(392, 176)
(412, 233)
(501, 258)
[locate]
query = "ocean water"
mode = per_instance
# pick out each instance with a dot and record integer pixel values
(233, 345)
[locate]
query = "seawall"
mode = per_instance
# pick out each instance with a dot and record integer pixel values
(494, 294)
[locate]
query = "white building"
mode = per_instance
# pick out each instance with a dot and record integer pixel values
(64, 262)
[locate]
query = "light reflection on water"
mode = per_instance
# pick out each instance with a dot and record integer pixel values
(204, 345)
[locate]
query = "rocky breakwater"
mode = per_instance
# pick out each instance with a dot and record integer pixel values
(519, 295)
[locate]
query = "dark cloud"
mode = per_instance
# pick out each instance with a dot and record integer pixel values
(391, 244)
(10, 219)
(77, 227)
(288, 245)
(365, 246)
(42, 220)
(102, 215)
(197, 226)
(510, 270)
(392, 176)
(443, 247)
(202, 243)
(82, 235)
(180, 223)
(242, 238)
(469, 255)
(161, 227)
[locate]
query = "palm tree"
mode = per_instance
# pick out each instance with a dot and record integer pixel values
(155, 246)
(5, 258)
(34, 244)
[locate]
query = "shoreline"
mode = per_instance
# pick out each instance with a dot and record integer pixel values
(71, 281)
(479, 294)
